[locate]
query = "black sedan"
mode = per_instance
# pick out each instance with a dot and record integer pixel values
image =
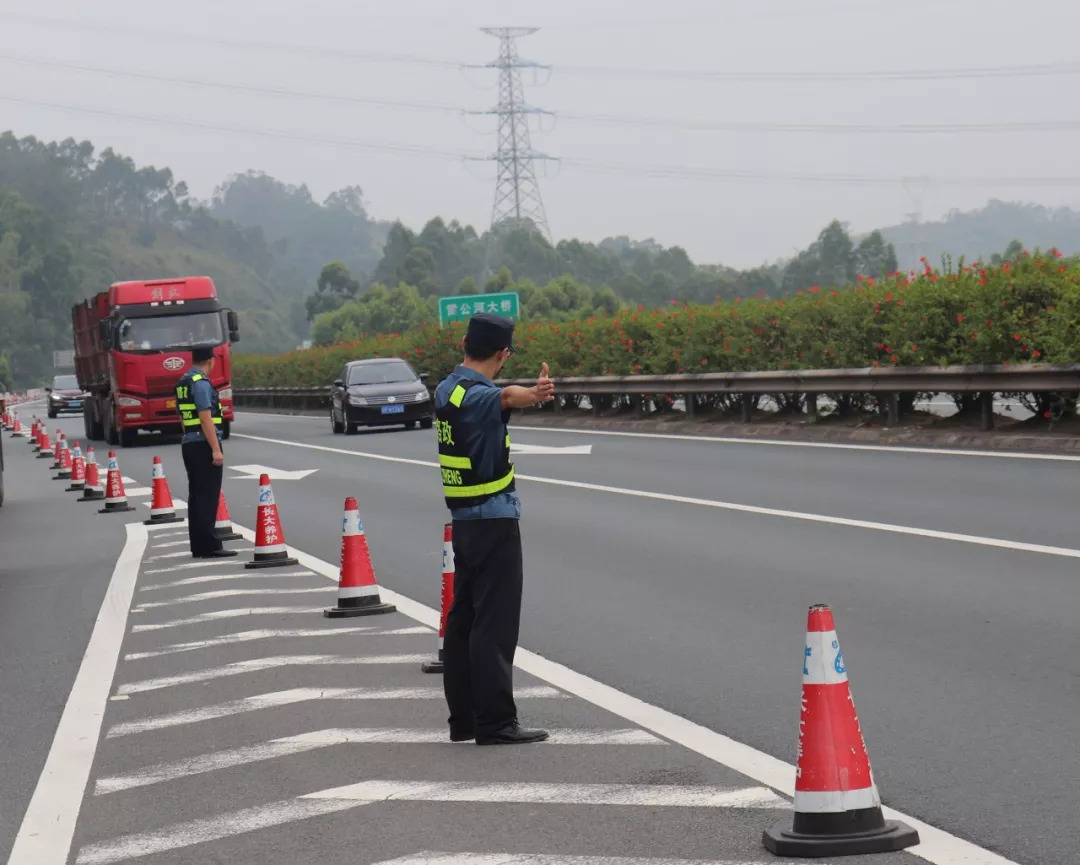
(380, 391)
(65, 395)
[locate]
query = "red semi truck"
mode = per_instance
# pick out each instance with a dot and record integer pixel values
(132, 344)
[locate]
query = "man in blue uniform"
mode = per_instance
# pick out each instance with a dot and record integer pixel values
(478, 485)
(200, 416)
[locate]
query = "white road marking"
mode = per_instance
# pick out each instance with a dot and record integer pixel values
(999, 543)
(729, 440)
(252, 473)
(290, 745)
(433, 858)
(177, 505)
(178, 555)
(138, 492)
(209, 563)
(213, 578)
(540, 450)
(936, 845)
(302, 695)
(173, 534)
(44, 837)
(208, 829)
(258, 664)
(218, 615)
(252, 636)
(169, 544)
(232, 593)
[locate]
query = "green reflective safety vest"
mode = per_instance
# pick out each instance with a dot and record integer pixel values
(185, 403)
(463, 485)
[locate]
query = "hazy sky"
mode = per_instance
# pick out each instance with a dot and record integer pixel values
(608, 184)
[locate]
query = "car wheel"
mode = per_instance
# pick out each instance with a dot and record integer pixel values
(52, 413)
(337, 427)
(427, 423)
(410, 424)
(351, 428)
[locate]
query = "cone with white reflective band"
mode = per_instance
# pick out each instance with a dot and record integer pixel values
(435, 665)
(270, 549)
(16, 427)
(93, 492)
(65, 462)
(58, 447)
(78, 470)
(358, 592)
(223, 522)
(161, 503)
(115, 498)
(44, 448)
(837, 807)
(34, 433)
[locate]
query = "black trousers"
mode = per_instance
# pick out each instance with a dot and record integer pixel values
(482, 625)
(204, 488)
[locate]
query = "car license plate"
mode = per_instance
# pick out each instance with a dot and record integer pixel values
(393, 409)
(75, 404)
(170, 403)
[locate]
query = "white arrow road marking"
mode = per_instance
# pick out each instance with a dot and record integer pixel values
(233, 593)
(214, 578)
(252, 636)
(257, 664)
(252, 472)
(530, 450)
(303, 695)
(217, 615)
(431, 858)
(341, 799)
(289, 745)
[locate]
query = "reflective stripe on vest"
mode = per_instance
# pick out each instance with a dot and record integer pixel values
(462, 485)
(185, 404)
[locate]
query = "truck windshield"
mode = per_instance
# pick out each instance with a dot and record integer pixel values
(171, 331)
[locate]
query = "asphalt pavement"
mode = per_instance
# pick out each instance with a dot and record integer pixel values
(677, 572)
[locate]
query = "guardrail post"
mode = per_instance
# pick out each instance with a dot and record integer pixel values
(690, 403)
(594, 403)
(639, 404)
(892, 409)
(811, 407)
(557, 404)
(747, 408)
(986, 410)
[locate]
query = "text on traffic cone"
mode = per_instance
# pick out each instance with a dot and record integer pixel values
(161, 503)
(78, 470)
(270, 549)
(115, 497)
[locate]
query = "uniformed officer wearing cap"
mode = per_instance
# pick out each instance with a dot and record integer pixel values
(478, 485)
(200, 416)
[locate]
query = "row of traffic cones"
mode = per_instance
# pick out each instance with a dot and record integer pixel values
(837, 808)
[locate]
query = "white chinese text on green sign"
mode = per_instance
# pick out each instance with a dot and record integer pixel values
(462, 307)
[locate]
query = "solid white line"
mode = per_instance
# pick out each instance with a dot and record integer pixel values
(45, 834)
(209, 829)
(209, 563)
(427, 857)
(170, 544)
(218, 615)
(646, 795)
(213, 578)
(174, 534)
(251, 636)
(290, 745)
(258, 664)
(178, 555)
(936, 845)
(232, 593)
(301, 695)
(999, 543)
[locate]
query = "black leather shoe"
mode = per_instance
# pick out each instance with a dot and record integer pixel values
(513, 734)
(218, 554)
(462, 735)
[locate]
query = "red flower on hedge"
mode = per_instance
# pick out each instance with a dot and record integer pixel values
(959, 318)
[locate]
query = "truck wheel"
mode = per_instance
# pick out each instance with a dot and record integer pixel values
(226, 428)
(110, 432)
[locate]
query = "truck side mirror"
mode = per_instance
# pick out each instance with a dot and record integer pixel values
(233, 322)
(105, 331)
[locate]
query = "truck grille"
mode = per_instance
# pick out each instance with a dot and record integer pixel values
(159, 385)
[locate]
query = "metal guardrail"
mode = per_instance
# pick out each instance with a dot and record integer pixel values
(985, 380)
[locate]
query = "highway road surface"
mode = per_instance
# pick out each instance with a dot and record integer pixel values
(667, 582)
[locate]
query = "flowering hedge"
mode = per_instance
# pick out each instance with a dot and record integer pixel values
(1024, 310)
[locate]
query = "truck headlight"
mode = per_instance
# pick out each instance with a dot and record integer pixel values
(128, 402)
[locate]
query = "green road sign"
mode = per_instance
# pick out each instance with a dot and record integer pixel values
(463, 306)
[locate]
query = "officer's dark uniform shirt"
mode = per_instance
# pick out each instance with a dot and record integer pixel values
(482, 432)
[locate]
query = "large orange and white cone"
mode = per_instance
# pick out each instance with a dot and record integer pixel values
(358, 592)
(837, 807)
(270, 549)
(58, 446)
(34, 440)
(65, 462)
(436, 664)
(5, 419)
(93, 491)
(161, 503)
(78, 470)
(16, 427)
(223, 529)
(44, 448)
(115, 498)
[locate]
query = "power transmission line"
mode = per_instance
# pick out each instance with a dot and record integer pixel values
(746, 126)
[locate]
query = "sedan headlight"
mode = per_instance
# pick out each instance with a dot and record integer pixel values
(422, 395)
(357, 400)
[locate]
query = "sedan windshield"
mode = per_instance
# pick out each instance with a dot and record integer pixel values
(171, 331)
(387, 372)
(65, 382)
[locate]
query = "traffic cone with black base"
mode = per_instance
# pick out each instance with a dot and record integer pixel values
(161, 503)
(44, 448)
(358, 592)
(58, 447)
(436, 664)
(65, 462)
(223, 529)
(34, 442)
(93, 492)
(837, 807)
(270, 549)
(78, 471)
(16, 427)
(115, 498)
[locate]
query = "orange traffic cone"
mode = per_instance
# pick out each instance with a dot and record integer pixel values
(436, 665)
(93, 491)
(223, 522)
(58, 446)
(65, 462)
(16, 427)
(161, 503)
(34, 432)
(78, 471)
(270, 549)
(115, 498)
(44, 448)
(837, 808)
(358, 593)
